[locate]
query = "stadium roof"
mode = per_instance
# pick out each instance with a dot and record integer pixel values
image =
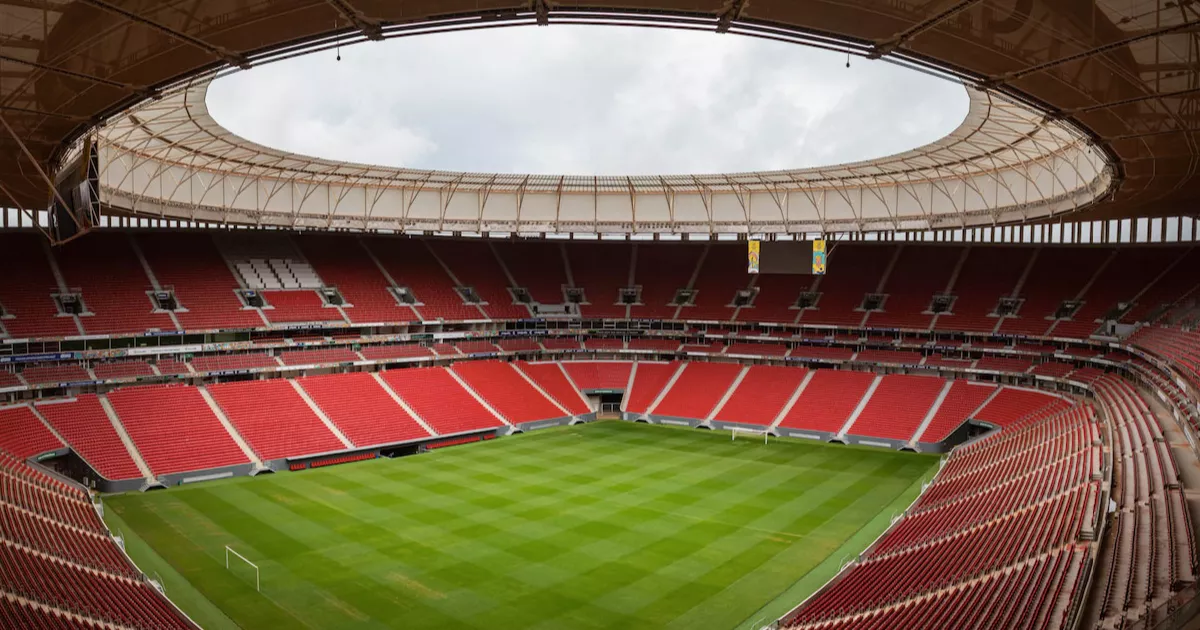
(1116, 82)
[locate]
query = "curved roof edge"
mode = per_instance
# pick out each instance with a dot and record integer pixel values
(1006, 162)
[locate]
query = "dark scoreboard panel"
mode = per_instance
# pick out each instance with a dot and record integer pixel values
(787, 257)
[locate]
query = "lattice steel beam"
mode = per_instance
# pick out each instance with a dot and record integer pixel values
(232, 58)
(889, 45)
(729, 13)
(73, 74)
(370, 29)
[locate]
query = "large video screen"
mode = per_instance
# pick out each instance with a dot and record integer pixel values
(787, 257)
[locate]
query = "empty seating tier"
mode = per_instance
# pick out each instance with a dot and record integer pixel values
(721, 275)
(919, 274)
(362, 409)
(535, 266)
(174, 429)
(23, 434)
(822, 352)
(204, 286)
(897, 407)
(298, 306)
(403, 351)
(661, 272)
(905, 357)
(601, 270)
(698, 389)
(274, 419)
(552, 380)
(758, 349)
(342, 262)
(828, 400)
(411, 265)
(224, 362)
(519, 345)
(440, 400)
(90, 432)
(561, 343)
(648, 380)
(604, 344)
(477, 347)
(762, 394)
(445, 349)
(1012, 405)
(847, 283)
(55, 374)
(661, 345)
(115, 600)
(593, 375)
(960, 402)
(53, 538)
(988, 274)
(1004, 364)
(28, 296)
(475, 266)
(503, 387)
(881, 580)
(171, 366)
(318, 356)
(9, 379)
(115, 286)
(122, 369)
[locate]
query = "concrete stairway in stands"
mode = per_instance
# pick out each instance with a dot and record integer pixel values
(543, 392)
(333, 428)
(479, 399)
(933, 409)
(233, 432)
(404, 405)
(125, 439)
(666, 388)
(862, 404)
(728, 394)
(787, 407)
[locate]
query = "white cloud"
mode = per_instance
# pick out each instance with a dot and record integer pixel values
(587, 100)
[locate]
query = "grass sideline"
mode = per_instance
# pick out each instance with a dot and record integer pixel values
(607, 525)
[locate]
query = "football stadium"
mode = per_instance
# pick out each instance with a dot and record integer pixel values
(951, 386)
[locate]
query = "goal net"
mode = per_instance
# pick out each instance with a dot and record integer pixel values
(751, 433)
(242, 566)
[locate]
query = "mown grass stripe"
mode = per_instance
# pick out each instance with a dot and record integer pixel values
(608, 525)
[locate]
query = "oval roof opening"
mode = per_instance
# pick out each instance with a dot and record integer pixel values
(587, 100)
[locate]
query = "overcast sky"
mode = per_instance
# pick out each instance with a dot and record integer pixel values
(587, 100)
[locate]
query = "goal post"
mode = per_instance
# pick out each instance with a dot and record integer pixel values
(734, 431)
(229, 550)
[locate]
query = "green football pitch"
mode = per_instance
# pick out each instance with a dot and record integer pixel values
(605, 525)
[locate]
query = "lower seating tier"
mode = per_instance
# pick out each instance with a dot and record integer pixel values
(85, 425)
(174, 429)
(273, 418)
(362, 409)
(438, 398)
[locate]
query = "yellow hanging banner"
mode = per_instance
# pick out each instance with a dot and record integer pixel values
(752, 267)
(818, 262)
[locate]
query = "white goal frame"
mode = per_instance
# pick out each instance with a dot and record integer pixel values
(229, 550)
(733, 431)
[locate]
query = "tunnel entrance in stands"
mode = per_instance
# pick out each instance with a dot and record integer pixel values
(608, 403)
